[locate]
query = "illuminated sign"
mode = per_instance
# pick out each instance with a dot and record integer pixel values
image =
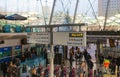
(75, 34)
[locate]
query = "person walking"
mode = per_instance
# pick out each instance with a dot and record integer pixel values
(78, 56)
(45, 56)
(9, 69)
(14, 70)
(39, 70)
(33, 73)
(71, 59)
(4, 67)
(81, 70)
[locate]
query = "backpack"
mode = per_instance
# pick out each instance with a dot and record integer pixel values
(90, 64)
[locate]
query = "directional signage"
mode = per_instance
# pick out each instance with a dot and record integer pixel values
(69, 38)
(41, 38)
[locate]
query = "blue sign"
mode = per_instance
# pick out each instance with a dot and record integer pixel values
(1, 49)
(5, 49)
(17, 47)
(5, 52)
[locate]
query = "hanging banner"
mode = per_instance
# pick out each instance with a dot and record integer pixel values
(39, 38)
(69, 38)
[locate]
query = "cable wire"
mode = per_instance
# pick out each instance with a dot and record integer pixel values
(106, 14)
(43, 12)
(62, 5)
(87, 11)
(94, 13)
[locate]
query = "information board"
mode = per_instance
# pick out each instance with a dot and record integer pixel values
(69, 38)
(40, 38)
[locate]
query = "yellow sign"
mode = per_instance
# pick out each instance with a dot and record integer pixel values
(75, 34)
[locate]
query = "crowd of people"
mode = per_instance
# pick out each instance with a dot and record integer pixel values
(59, 71)
(12, 68)
(66, 71)
(80, 59)
(77, 57)
(27, 55)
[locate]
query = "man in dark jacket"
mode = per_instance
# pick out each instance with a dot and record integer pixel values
(118, 62)
(4, 68)
(39, 70)
(101, 58)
